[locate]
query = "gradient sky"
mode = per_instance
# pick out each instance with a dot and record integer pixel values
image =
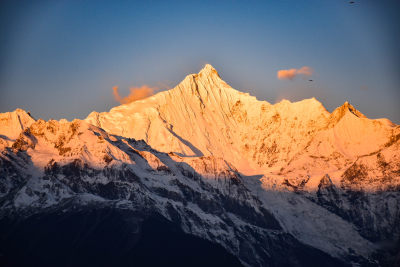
(60, 59)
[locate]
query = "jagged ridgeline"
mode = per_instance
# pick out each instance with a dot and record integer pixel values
(201, 167)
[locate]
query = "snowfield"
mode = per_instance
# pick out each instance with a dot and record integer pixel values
(248, 175)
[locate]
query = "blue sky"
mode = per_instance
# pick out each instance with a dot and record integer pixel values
(60, 59)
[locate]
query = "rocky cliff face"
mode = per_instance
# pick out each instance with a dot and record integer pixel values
(256, 179)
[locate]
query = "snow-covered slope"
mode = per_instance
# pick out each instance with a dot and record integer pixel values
(203, 115)
(297, 147)
(222, 165)
(12, 124)
(72, 165)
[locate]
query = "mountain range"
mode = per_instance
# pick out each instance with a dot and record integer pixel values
(201, 174)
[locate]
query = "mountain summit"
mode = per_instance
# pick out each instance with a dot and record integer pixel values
(203, 115)
(208, 70)
(210, 166)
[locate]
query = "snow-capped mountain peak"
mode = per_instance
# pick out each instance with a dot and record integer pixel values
(12, 123)
(203, 115)
(208, 70)
(249, 175)
(339, 112)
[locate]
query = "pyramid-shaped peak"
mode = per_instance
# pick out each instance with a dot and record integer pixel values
(208, 67)
(348, 107)
(208, 70)
(341, 111)
(13, 123)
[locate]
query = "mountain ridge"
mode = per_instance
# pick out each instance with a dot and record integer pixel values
(208, 102)
(220, 165)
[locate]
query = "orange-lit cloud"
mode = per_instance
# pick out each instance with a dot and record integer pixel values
(290, 74)
(136, 93)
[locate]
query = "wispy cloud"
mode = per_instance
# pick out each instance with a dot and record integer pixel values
(136, 93)
(290, 74)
